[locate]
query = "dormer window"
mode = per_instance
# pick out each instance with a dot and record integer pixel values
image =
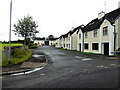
(95, 33)
(105, 30)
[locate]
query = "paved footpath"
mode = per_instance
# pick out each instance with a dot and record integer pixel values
(68, 69)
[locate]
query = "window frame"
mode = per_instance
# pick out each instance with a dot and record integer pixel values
(105, 30)
(95, 33)
(95, 46)
(86, 47)
(80, 36)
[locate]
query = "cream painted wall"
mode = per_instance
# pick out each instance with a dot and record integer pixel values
(74, 41)
(91, 39)
(117, 23)
(105, 38)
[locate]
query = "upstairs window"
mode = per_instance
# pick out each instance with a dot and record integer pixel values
(86, 34)
(79, 36)
(105, 30)
(95, 33)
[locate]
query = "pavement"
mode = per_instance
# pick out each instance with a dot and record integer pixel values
(68, 70)
(36, 61)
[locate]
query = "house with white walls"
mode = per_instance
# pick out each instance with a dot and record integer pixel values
(39, 41)
(80, 44)
(101, 35)
(74, 38)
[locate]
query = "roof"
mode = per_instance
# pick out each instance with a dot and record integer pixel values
(40, 38)
(113, 16)
(94, 24)
(80, 28)
(75, 29)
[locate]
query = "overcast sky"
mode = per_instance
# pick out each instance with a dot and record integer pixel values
(54, 17)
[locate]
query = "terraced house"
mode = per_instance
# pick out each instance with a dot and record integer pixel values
(101, 35)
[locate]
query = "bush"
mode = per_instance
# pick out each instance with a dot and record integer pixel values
(20, 53)
(32, 46)
(18, 56)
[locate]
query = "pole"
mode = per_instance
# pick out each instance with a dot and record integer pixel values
(9, 53)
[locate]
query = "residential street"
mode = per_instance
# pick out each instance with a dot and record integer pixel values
(68, 69)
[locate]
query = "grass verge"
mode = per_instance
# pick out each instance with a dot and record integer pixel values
(18, 56)
(90, 53)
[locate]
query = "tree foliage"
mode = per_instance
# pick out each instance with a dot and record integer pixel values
(26, 27)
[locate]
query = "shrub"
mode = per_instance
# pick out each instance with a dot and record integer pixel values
(20, 53)
(32, 46)
(18, 56)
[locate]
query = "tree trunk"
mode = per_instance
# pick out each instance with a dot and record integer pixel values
(25, 43)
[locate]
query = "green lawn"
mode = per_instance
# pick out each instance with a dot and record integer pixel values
(5, 45)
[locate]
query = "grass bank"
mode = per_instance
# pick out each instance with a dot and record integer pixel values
(89, 53)
(17, 56)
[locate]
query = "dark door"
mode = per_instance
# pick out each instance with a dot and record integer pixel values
(79, 47)
(46, 42)
(106, 48)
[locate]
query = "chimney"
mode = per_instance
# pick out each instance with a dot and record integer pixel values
(101, 14)
(119, 4)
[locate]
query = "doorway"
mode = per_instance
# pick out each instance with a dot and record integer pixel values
(79, 47)
(106, 48)
(46, 42)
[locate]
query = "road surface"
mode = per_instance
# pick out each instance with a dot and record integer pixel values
(68, 69)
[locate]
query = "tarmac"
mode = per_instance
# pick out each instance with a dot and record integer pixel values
(33, 62)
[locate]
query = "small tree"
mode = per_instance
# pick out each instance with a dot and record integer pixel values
(26, 28)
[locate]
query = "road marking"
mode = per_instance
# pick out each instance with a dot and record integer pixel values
(28, 72)
(35, 55)
(78, 57)
(87, 59)
(42, 74)
(113, 65)
(101, 66)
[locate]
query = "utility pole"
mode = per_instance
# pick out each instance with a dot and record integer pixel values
(105, 6)
(9, 53)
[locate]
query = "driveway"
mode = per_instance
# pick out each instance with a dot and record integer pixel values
(68, 69)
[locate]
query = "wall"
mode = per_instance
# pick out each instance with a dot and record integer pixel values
(74, 40)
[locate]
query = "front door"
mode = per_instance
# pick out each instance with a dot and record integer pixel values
(106, 48)
(79, 47)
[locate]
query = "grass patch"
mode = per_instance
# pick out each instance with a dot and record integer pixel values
(90, 53)
(2, 45)
(32, 46)
(18, 56)
(62, 48)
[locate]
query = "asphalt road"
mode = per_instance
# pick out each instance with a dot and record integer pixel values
(68, 69)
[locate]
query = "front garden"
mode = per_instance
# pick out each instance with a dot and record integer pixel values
(18, 53)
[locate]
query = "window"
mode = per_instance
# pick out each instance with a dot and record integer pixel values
(95, 33)
(86, 35)
(86, 45)
(95, 46)
(105, 30)
(79, 36)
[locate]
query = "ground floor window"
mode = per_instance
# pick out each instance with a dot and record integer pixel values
(86, 46)
(95, 46)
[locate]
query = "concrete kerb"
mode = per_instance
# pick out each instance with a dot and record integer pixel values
(25, 70)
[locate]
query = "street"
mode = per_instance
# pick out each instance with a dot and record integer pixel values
(67, 69)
